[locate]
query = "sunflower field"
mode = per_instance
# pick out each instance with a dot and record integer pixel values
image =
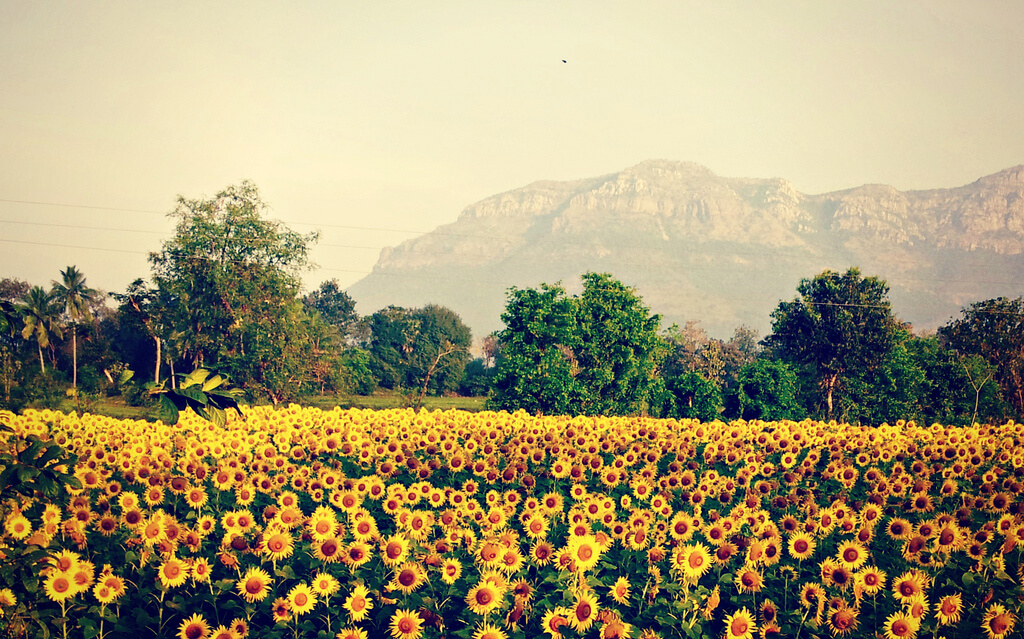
(301, 522)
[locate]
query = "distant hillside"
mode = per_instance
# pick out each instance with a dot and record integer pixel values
(720, 250)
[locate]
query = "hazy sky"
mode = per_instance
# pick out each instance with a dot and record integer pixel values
(396, 115)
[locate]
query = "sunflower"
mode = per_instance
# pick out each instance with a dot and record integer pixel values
(301, 599)
(406, 624)
(356, 554)
(451, 570)
(352, 633)
(200, 570)
(325, 584)
(394, 550)
(801, 546)
(769, 612)
(487, 631)
(59, 586)
(279, 610)
(620, 591)
(695, 561)
(278, 544)
(810, 594)
(900, 625)
(870, 579)
(484, 598)
(554, 620)
(358, 603)
(909, 585)
(899, 528)
(173, 572)
(749, 580)
(195, 627)
(740, 625)
(852, 554)
(541, 553)
(18, 526)
(254, 585)
(998, 621)
(222, 632)
(328, 550)
(583, 611)
(949, 609)
(842, 621)
(585, 552)
(408, 577)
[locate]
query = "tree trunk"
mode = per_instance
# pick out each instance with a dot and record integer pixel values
(74, 356)
(830, 384)
(156, 373)
(42, 364)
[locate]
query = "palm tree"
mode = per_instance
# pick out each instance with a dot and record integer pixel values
(73, 296)
(42, 319)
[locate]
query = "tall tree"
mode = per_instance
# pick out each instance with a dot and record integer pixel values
(74, 297)
(537, 369)
(620, 350)
(335, 306)
(765, 389)
(596, 353)
(840, 324)
(425, 349)
(994, 329)
(228, 282)
(41, 316)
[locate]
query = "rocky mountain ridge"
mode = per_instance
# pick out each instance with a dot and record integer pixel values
(721, 250)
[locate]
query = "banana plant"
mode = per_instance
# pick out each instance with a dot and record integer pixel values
(202, 390)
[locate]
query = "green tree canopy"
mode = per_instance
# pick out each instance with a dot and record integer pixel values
(228, 282)
(692, 395)
(335, 306)
(841, 324)
(596, 353)
(765, 389)
(994, 330)
(423, 349)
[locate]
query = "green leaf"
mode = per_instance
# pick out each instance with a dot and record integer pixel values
(195, 395)
(212, 383)
(167, 412)
(285, 572)
(195, 378)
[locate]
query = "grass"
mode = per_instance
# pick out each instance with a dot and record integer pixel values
(117, 408)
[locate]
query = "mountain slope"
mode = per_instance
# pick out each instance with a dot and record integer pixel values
(721, 250)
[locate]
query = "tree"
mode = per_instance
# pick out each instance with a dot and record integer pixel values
(596, 353)
(840, 324)
(957, 388)
(74, 296)
(425, 349)
(994, 329)
(41, 317)
(538, 367)
(619, 349)
(692, 396)
(765, 389)
(335, 306)
(138, 319)
(228, 283)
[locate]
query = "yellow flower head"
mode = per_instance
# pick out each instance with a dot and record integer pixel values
(358, 604)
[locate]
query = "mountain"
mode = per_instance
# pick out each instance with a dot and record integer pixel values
(724, 251)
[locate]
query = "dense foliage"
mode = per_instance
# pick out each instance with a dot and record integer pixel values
(595, 354)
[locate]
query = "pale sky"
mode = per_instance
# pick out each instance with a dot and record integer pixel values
(396, 115)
